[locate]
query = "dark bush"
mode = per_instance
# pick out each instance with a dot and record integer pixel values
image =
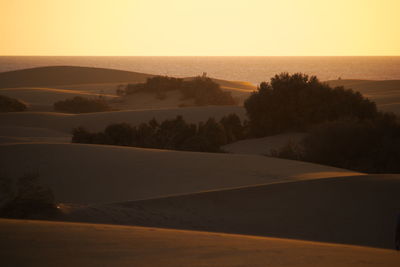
(203, 90)
(175, 134)
(80, 104)
(297, 102)
(371, 146)
(119, 134)
(28, 199)
(234, 128)
(8, 104)
(214, 135)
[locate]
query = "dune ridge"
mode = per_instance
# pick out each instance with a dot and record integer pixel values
(98, 121)
(41, 243)
(358, 210)
(64, 75)
(81, 173)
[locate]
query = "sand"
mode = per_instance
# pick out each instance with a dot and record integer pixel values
(15, 134)
(359, 210)
(240, 193)
(39, 243)
(42, 99)
(98, 121)
(41, 87)
(62, 75)
(263, 146)
(102, 174)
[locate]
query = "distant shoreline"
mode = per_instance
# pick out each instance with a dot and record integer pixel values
(252, 69)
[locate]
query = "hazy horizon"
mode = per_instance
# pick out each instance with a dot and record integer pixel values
(250, 69)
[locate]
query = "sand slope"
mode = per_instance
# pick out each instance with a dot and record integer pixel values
(39, 243)
(62, 75)
(87, 81)
(358, 210)
(15, 134)
(264, 145)
(98, 121)
(42, 99)
(103, 174)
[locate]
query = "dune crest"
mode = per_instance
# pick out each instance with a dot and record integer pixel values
(139, 246)
(102, 174)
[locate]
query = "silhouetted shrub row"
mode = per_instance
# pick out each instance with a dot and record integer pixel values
(80, 104)
(297, 102)
(8, 104)
(203, 90)
(173, 134)
(371, 146)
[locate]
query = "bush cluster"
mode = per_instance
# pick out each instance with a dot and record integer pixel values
(8, 104)
(174, 134)
(80, 104)
(27, 198)
(203, 90)
(297, 102)
(371, 146)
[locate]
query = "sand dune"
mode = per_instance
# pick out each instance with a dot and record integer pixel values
(62, 75)
(40, 243)
(88, 80)
(42, 99)
(98, 121)
(13, 134)
(103, 174)
(359, 210)
(263, 146)
(172, 100)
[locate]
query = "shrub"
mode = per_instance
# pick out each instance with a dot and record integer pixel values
(119, 134)
(371, 146)
(28, 199)
(80, 104)
(203, 90)
(8, 104)
(233, 127)
(175, 134)
(297, 102)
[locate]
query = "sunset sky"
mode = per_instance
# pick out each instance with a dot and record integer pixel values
(200, 28)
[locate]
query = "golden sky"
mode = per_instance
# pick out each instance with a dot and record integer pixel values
(200, 27)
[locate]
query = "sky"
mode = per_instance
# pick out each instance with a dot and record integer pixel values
(200, 27)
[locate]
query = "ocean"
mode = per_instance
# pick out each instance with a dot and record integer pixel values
(251, 69)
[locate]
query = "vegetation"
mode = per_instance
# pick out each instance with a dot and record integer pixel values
(345, 129)
(26, 198)
(8, 104)
(203, 90)
(371, 146)
(175, 134)
(297, 102)
(80, 104)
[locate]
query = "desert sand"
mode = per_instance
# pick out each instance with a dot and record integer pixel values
(42, 99)
(357, 210)
(82, 173)
(41, 87)
(16, 134)
(99, 120)
(241, 192)
(264, 145)
(39, 243)
(66, 75)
